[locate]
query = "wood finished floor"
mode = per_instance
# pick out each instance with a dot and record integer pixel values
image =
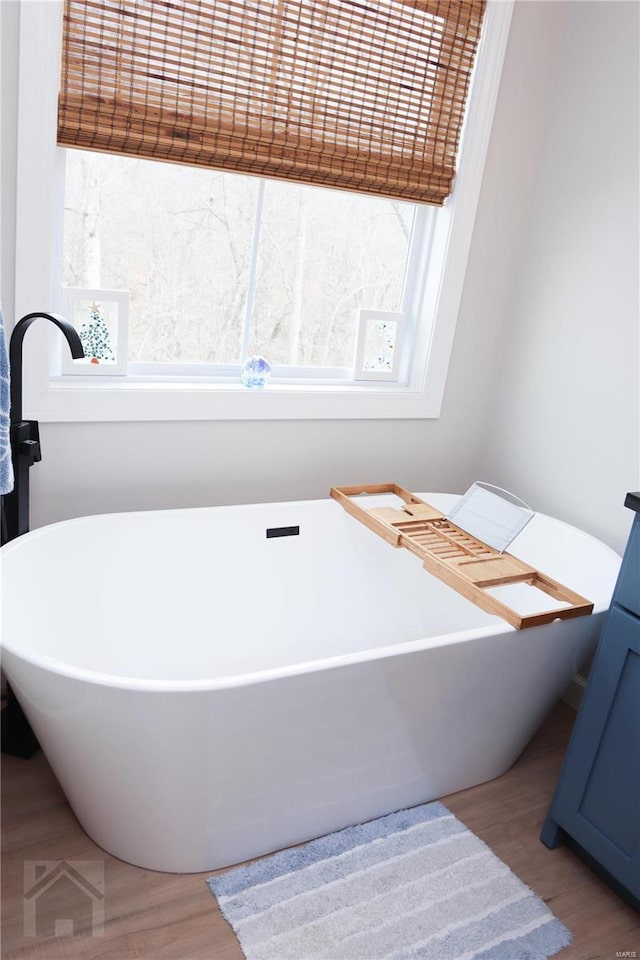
(162, 916)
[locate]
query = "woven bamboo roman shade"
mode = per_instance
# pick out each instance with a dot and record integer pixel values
(365, 95)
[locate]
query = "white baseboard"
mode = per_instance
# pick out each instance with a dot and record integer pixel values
(575, 691)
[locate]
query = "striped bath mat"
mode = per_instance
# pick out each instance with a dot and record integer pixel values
(415, 885)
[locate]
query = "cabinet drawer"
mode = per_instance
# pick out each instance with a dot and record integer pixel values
(627, 592)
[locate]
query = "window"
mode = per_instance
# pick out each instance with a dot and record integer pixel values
(221, 266)
(290, 293)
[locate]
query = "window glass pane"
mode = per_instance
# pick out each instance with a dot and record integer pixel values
(178, 238)
(323, 254)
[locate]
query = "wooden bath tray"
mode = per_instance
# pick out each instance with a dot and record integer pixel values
(457, 558)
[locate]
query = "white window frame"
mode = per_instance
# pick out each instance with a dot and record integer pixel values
(440, 260)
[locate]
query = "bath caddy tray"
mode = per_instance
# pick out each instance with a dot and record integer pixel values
(457, 558)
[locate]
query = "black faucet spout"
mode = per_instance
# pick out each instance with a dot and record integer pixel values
(25, 434)
(15, 353)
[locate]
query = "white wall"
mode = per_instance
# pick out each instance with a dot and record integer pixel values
(8, 113)
(564, 429)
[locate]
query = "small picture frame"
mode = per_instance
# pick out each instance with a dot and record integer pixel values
(378, 345)
(101, 319)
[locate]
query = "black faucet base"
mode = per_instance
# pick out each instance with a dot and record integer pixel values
(18, 739)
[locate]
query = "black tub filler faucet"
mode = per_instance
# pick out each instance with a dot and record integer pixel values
(18, 738)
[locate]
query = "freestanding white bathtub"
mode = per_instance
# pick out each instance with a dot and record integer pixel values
(206, 694)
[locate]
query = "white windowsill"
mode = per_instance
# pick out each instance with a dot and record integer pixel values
(73, 398)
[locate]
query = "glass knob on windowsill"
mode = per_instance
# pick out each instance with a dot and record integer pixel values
(256, 372)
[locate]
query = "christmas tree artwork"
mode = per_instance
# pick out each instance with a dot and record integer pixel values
(95, 337)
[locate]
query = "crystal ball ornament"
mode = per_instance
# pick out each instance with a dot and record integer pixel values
(256, 372)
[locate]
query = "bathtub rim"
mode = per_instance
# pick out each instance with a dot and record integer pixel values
(497, 625)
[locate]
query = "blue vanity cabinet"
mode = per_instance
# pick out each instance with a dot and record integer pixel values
(597, 799)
